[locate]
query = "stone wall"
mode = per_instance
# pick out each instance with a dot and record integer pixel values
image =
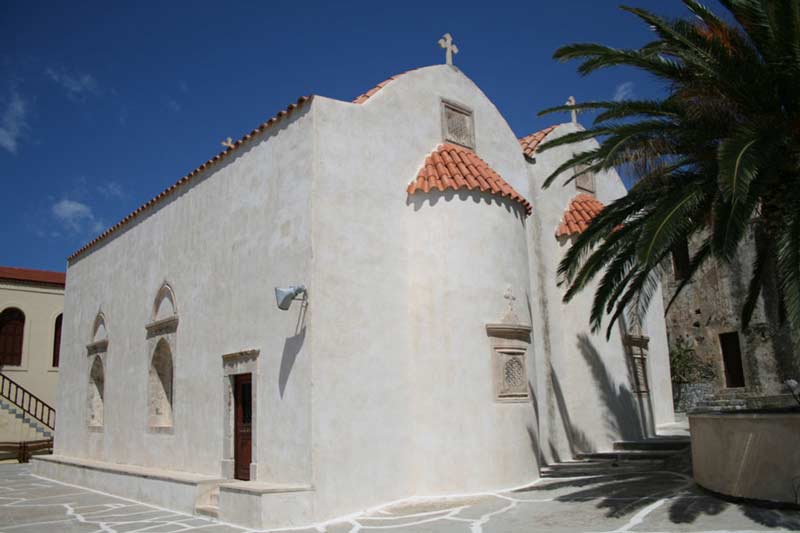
(689, 396)
(711, 304)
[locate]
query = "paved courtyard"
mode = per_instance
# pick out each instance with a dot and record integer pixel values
(654, 501)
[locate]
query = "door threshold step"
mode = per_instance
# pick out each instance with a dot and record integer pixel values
(207, 510)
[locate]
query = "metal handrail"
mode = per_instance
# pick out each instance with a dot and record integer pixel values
(27, 401)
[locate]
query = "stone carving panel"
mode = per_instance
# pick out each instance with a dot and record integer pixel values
(511, 377)
(458, 125)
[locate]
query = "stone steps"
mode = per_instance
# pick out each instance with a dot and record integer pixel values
(20, 415)
(626, 457)
(618, 456)
(208, 503)
(673, 443)
(211, 511)
(593, 468)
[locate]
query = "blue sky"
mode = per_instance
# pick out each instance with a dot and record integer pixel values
(104, 104)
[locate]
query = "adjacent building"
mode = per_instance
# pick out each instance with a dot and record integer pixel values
(739, 365)
(31, 313)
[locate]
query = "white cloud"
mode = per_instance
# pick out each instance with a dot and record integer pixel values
(111, 189)
(76, 216)
(171, 103)
(76, 85)
(624, 91)
(13, 123)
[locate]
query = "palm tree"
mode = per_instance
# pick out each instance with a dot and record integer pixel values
(719, 152)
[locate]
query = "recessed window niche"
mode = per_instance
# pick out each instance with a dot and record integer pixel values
(161, 335)
(509, 341)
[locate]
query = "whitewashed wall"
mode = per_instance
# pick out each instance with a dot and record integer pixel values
(584, 379)
(222, 243)
(401, 359)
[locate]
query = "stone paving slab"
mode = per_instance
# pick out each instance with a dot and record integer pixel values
(644, 502)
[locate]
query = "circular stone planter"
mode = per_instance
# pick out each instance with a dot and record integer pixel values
(747, 454)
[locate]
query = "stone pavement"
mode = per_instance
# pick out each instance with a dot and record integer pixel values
(648, 501)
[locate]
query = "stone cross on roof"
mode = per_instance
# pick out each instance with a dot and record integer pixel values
(571, 102)
(446, 42)
(228, 143)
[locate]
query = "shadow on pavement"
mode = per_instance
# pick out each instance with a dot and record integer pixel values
(621, 495)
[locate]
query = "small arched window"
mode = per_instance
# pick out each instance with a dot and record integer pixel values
(57, 340)
(161, 376)
(96, 392)
(12, 328)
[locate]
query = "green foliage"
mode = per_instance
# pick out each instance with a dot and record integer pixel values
(718, 153)
(686, 367)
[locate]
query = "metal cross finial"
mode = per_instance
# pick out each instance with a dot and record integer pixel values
(446, 42)
(228, 143)
(571, 102)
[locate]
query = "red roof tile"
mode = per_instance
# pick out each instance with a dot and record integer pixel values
(367, 95)
(454, 167)
(191, 175)
(530, 142)
(46, 277)
(582, 209)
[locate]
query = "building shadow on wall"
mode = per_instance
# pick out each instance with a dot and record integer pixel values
(625, 412)
(291, 348)
(577, 440)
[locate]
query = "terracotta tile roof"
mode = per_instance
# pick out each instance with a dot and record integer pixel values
(46, 277)
(582, 209)
(530, 142)
(454, 167)
(188, 177)
(367, 95)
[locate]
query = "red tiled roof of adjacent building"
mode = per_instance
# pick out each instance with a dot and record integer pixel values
(580, 212)
(29, 275)
(531, 142)
(188, 177)
(455, 167)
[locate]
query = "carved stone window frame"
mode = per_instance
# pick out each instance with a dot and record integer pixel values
(97, 348)
(509, 342)
(242, 362)
(637, 347)
(451, 106)
(157, 330)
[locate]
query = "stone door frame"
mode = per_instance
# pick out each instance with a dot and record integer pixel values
(244, 362)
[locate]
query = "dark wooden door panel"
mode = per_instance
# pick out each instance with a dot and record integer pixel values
(243, 427)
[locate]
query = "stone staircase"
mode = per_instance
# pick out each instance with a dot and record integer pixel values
(19, 414)
(626, 457)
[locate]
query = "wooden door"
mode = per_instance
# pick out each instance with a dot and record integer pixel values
(243, 401)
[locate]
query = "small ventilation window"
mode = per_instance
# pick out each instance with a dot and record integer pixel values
(680, 260)
(458, 125)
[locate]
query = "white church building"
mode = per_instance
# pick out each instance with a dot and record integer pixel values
(429, 354)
